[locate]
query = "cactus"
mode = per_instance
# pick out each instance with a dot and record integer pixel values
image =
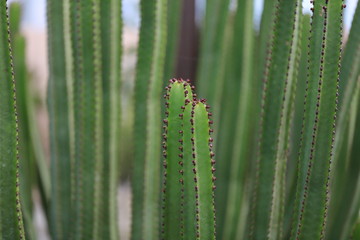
(31, 154)
(210, 82)
(84, 116)
(319, 121)
(356, 230)
(188, 207)
(346, 167)
(11, 225)
(147, 133)
(291, 178)
(174, 10)
(279, 84)
(243, 124)
(274, 182)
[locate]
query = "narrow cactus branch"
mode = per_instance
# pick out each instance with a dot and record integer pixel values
(319, 121)
(345, 201)
(11, 225)
(152, 168)
(173, 27)
(111, 39)
(88, 117)
(147, 132)
(189, 195)
(279, 85)
(178, 93)
(345, 163)
(60, 209)
(294, 141)
(213, 35)
(27, 149)
(243, 123)
(204, 171)
(188, 198)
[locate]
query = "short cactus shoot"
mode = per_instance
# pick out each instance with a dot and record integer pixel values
(188, 193)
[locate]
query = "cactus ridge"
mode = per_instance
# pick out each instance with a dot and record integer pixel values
(189, 183)
(172, 222)
(278, 89)
(278, 187)
(321, 140)
(345, 164)
(11, 222)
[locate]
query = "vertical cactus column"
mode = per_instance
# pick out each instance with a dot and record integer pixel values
(111, 41)
(236, 148)
(188, 210)
(84, 108)
(318, 129)
(346, 167)
(212, 36)
(11, 225)
(58, 107)
(147, 133)
(278, 90)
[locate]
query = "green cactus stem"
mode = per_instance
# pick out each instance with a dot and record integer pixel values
(346, 167)
(11, 225)
(84, 110)
(231, 184)
(178, 92)
(278, 90)
(318, 129)
(188, 194)
(146, 181)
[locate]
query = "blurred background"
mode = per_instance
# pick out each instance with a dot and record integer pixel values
(33, 28)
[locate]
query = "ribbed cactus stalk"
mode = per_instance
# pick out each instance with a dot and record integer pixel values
(146, 182)
(346, 165)
(26, 150)
(318, 130)
(235, 151)
(278, 90)
(188, 194)
(11, 226)
(84, 107)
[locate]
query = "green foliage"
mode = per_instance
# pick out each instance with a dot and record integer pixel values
(188, 199)
(11, 225)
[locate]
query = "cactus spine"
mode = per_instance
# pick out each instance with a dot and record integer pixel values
(11, 225)
(188, 200)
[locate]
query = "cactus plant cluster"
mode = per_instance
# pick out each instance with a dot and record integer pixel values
(285, 124)
(188, 183)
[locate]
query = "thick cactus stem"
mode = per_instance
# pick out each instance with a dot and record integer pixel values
(188, 193)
